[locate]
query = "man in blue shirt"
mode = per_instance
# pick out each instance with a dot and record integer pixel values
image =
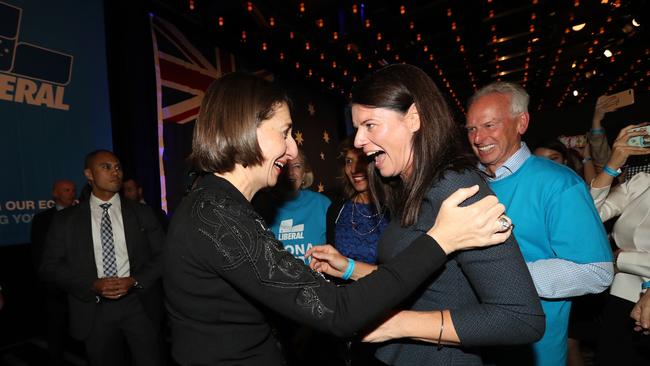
(556, 224)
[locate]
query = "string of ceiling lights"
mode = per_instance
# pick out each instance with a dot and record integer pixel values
(336, 51)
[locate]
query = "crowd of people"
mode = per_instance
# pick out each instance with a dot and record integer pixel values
(436, 253)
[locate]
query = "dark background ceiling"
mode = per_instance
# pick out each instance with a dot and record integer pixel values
(461, 44)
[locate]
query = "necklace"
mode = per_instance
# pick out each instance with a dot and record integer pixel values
(367, 217)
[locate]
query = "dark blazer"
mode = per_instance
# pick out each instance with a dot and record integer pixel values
(40, 225)
(489, 290)
(224, 270)
(69, 260)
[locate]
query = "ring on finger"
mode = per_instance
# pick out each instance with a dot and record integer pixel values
(505, 223)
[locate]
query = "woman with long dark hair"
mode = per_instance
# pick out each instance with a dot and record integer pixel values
(481, 297)
(355, 222)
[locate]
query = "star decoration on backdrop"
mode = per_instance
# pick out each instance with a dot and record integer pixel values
(326, 137)
(298, 138)
(311, 108)
(322, 155)
(321, 187)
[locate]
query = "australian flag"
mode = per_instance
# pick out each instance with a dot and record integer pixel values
(184, 70)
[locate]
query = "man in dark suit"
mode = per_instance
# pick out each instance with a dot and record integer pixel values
(56, 304)
(63, 194)
(106, 254)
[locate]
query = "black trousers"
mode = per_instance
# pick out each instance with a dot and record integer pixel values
(56, 310)
(121, 323)
(618, 343)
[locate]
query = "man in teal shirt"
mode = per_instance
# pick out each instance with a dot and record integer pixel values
(556, 224)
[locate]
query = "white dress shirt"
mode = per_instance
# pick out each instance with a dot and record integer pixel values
(119, 241)
(631, 232)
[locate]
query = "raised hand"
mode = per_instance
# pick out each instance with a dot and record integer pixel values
(604, 104)
(621, 151)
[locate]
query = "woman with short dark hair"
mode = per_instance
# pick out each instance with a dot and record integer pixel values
(224, 270)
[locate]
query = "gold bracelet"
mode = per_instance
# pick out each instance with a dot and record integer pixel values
(442, 327)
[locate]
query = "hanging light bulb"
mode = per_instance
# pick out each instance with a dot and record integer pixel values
(578, 27)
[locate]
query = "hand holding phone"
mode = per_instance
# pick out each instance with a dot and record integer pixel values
(641, 140)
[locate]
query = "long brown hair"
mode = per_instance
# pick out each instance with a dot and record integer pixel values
(437, 145)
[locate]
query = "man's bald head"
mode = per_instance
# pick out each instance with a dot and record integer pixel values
(64, 192)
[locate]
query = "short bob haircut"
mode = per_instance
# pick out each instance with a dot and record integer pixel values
(225, 133)
(437, 145)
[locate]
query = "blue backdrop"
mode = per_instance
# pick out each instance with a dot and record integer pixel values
(54, 105)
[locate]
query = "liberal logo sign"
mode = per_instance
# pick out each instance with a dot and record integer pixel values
(30, 73)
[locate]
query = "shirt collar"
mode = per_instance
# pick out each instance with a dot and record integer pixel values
(114, 201)
(510, 166)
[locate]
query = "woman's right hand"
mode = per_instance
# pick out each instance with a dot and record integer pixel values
(621, 150)
(472, 226)
(326, 259)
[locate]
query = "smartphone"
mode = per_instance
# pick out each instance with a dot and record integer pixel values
(624, 98)
(640, 141)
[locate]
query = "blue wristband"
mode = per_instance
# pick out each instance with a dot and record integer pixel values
(597, 131)
(348, 271)
(611, 172)
(645, 285)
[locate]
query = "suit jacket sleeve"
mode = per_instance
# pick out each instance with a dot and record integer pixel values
(509, 307)
(60, 264)
(149, 268)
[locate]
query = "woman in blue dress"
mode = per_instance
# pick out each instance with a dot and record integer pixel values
(355, 223)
